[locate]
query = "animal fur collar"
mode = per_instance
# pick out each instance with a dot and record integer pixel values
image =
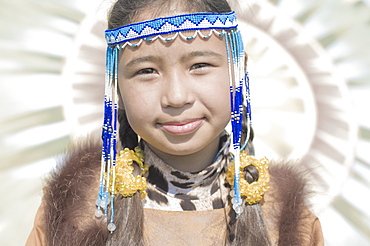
(70, 194)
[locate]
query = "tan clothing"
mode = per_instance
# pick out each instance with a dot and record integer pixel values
(37, 236)
(172, 228)
(66, 215)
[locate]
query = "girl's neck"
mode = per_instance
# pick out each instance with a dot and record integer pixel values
(190, 163)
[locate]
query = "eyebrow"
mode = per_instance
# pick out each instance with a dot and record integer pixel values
(207, 53)
(138, 60)
(184, 58)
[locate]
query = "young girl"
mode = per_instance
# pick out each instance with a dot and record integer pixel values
(174, 70)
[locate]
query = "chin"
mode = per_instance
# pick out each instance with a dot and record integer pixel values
(180, 149)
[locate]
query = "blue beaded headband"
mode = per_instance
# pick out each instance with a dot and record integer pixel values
(223, 24)
(166, 25)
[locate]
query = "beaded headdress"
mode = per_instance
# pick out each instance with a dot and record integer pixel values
(201, 25)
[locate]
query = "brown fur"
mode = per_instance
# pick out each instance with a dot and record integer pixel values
(289, 212)
(70, 200)
(72, 189)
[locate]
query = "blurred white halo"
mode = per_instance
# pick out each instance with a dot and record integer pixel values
(301, 106)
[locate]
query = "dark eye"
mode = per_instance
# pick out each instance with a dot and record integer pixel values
(146, 71)
(200, 65)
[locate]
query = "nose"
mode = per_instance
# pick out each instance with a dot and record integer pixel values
(177, 92)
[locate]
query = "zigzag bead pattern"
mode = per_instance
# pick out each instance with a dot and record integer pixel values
(166, 25)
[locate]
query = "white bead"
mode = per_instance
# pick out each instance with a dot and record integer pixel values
(238, 210)
(232, 193)
(98, 213)
(111, 227)
(104, 203)
(233, 200)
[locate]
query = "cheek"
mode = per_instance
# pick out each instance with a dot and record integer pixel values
(136, 116)
(131, 95)
(218, 99)
(130, 101)
(224, 105)
(139, 105)
(135, 107)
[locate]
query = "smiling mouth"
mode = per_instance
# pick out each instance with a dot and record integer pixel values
(183, 128)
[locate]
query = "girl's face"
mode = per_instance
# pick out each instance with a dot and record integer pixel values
(176, 94)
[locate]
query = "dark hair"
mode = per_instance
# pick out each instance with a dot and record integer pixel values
(125, 11)
(249, 228)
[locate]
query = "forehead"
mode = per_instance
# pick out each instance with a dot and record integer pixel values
(177, 48)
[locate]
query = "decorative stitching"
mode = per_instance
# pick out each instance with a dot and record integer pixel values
(166, 25)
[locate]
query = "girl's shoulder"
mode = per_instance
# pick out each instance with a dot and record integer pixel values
(286, 208)
(70, 194)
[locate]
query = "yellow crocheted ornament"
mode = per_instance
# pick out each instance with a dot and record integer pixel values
(125, 182)
(252, 192)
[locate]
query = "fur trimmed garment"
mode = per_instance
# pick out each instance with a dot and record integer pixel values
(66, 215)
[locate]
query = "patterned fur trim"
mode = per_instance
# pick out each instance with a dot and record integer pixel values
(71, 192)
